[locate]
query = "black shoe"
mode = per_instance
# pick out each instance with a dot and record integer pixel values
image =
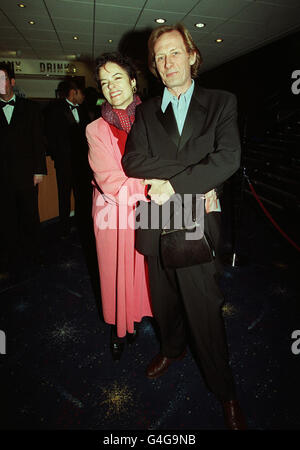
(132, 337)
(116, 344)
(116, 349)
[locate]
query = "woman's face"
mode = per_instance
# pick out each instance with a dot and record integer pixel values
(116, 85)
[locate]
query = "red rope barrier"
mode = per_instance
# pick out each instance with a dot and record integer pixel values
(270, 217)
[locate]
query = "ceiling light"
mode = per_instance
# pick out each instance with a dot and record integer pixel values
(75, 38)
(200, 25)
(31, 22)
(109, 41)
(160, 20)
(219, 40)
(21, 5)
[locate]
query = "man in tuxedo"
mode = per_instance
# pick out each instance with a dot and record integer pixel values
(65, 122)
(186, 142)
(23, 166)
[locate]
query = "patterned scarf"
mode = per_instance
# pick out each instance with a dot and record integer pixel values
(120, 118)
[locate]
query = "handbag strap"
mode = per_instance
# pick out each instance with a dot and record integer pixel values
(193, 207)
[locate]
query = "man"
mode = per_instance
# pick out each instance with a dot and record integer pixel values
(23, 166)
(186, 143)
(65, 122)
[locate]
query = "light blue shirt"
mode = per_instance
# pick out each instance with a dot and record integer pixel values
(180, 105)
(8, 109)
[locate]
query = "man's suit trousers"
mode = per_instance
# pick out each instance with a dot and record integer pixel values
(187, 306)
(21, 224)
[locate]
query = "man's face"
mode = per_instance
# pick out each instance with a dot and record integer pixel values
(173, 62)
(78, 97)
(9, 85)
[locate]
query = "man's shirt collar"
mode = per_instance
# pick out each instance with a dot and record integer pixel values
(6, 101)
(70, 103)
(184, 98)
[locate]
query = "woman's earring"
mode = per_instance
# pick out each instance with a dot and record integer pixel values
(134, 89)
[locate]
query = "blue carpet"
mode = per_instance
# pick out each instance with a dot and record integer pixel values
(57, 372)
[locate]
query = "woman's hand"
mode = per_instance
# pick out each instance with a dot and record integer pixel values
(160, 190)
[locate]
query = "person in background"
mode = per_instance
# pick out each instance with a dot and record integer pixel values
(22, 168)
(65, 123)
(186, 142)
(123, 276)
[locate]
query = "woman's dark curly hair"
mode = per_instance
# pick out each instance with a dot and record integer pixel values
(117, 58)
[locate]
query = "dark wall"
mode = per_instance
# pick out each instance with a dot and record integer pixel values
(262, 78)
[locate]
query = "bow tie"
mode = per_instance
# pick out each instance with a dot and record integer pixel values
(11, 102)
(74, 107)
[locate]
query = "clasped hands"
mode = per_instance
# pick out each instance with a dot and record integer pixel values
(37, 179)
(160, 190)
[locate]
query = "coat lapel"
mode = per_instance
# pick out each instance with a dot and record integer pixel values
(3, 121)
(68, 113)
(195, 119)
(18, 113)
(168, 121)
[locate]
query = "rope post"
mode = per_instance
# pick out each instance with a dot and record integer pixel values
(237, 220)
(266, 212)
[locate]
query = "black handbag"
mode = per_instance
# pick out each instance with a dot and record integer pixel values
(178, 251)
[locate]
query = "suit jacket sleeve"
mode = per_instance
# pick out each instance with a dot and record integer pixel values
(107, 170)
(219, 156)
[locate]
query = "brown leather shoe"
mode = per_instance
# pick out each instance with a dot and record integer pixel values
(160, 364)
(233, 416)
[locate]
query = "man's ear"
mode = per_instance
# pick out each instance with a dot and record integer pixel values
(13, 82)
(192, 58)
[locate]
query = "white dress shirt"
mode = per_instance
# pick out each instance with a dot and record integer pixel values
(74, 111)
(8, 109)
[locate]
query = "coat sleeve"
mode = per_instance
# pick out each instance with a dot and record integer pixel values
(107, 172)
(138, 161)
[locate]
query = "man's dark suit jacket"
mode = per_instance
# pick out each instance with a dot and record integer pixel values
(205, 155)
(66, 139)
(23, 147)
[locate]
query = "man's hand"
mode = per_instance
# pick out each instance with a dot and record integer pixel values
(37, 179)
(160, 191)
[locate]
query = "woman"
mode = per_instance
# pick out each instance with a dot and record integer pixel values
(124, 287)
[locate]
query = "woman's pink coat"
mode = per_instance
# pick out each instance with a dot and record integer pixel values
(123, 272)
